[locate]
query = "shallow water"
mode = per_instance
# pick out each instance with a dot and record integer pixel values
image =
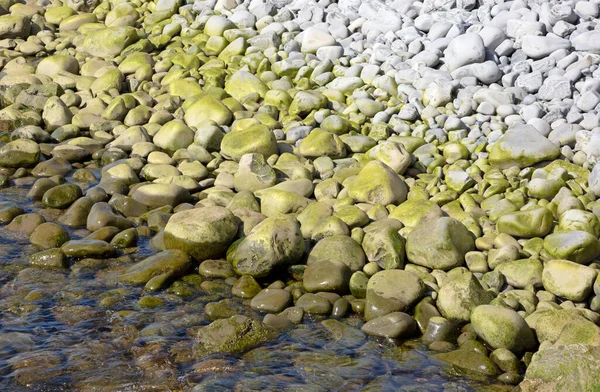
(79, 330)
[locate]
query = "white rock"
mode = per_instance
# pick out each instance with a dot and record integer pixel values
(492, 36)
(487, 72)
(588, 101)
(463, 50)
(587, 42)
(315, 38)
(536, 46)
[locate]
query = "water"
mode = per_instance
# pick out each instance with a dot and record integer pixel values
(80, 330)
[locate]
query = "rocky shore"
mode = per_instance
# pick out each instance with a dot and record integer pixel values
(397, 171)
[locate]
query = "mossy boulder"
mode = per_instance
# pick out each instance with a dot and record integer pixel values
(49, 235)
(305, 102)
(61, 196)
(236, 334)
(522, 146)
(109, 42)
(320, 143)
(411, 212)
(502, 327)
(459, 295)
(392, 291)
(243, 83)
(203, 233)
(275, 201)
(536, 222)
(383, 244)
(470, 363)
(439, 243)
(377, 183)
(571, 368)
(273, 242)
(254, 174)
(207, 108)
(578, 246)
(339, 248)
(174, 135)
(256, 139)
(20, 153)
(568, 279)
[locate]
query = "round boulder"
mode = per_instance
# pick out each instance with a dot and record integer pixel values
(203, 233)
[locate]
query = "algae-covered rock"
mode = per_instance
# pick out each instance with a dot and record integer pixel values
(377, 183)
(469, 363)
(256, 139)
(502, 327)
(236, 334)
(320, 143)
(411, 212)
(439, 243)
(275, 241)
(61, 196)
(392, 291)
(339, 248)
(578, 246)
(167, 266)
(207, 108)
(109, 42)
(527, 224)
(522, 146)
(459, 295)
(243, 83)
(203, 233)
(19, 153)
(571, 368)
(568, 279)
(383, 244)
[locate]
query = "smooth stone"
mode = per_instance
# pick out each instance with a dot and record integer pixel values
(392, 291)
(439, 244)
(88, 248)
(271, 300)
(327, 275)
(459, 295)
(568, 279)
(274, 242)
(102, 215)
(502, 328)
(393, 325)
(169, 264)
(204, 233)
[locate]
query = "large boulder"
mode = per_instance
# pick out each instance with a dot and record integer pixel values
(535, 222)
(392, 291)
(207, 108)
(571, 368)
(522, 146)
(109, 42)
(568, 279)
(502, 327)
(203, 233)
(233, 335)
(19, 153)
(243, 83)
(578, 246)
(164, 266)
(377, 183)
(256, 139)
(439, 243)
(459, 295)
(275, 241)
